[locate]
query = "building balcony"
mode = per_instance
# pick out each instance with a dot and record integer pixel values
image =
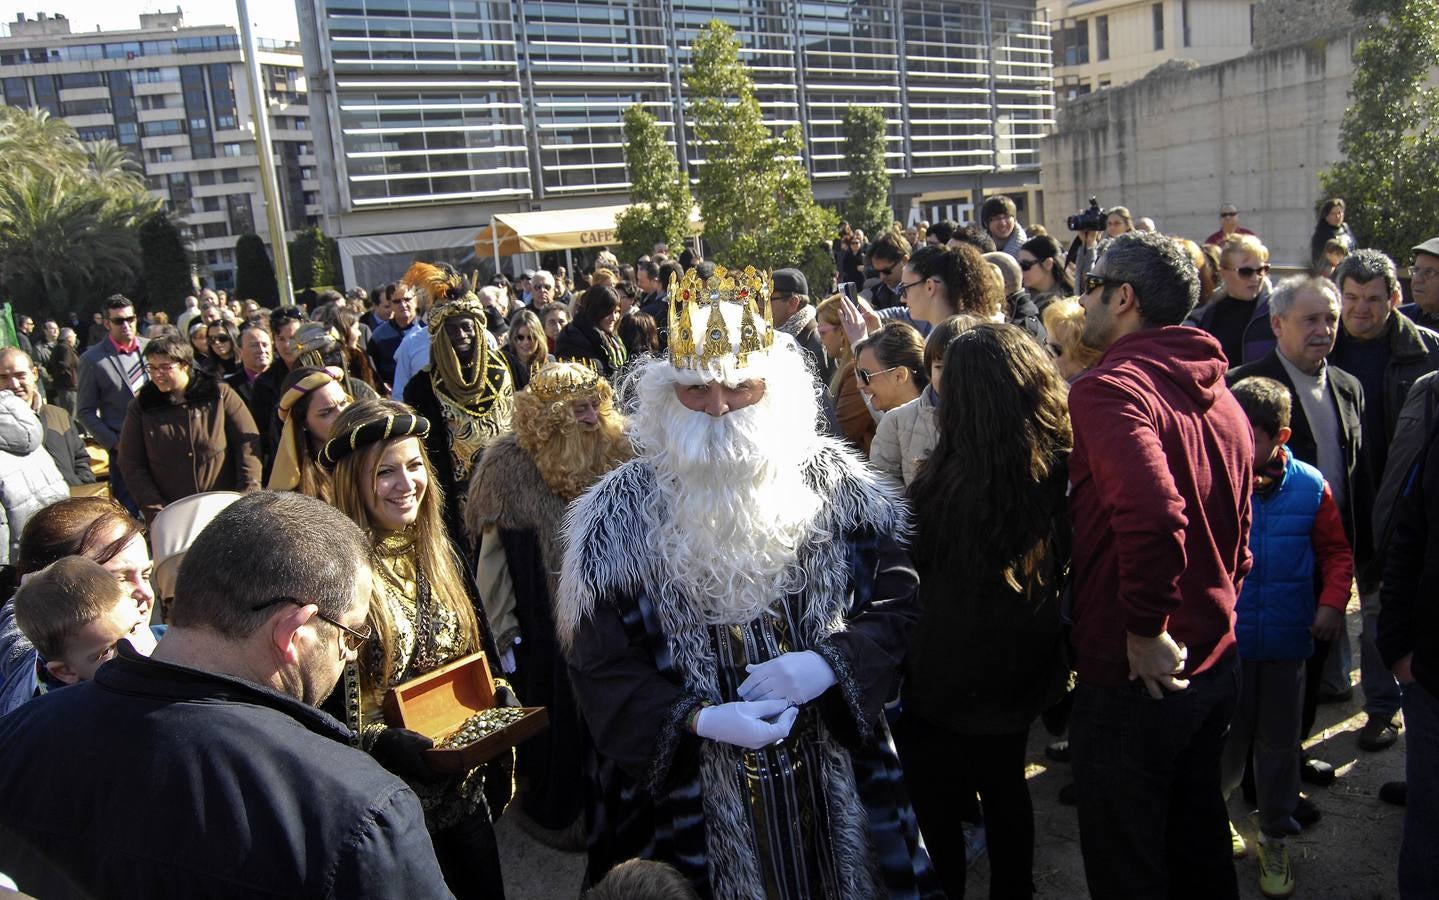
(90, 121)
(155, 142)
(153, 88)
(160, 115)
(89, 93)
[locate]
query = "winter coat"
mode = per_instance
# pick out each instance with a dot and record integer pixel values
(1296, 532)
(856, 425)
(1409, 598)
(1413, 353)
(906, 436)
(65, 446)
(171, 450)
(1160, 479)
(29, 478)
(1258, 336)
(1323, 234)
(584, 343)
(256, 794)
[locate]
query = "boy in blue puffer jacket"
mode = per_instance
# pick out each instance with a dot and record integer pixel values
(1296, 534)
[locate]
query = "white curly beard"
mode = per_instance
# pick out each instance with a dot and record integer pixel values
(737, 503)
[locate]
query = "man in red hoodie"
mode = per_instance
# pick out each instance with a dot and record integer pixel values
(1159, 494)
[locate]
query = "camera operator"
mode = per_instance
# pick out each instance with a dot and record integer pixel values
(1090, 238)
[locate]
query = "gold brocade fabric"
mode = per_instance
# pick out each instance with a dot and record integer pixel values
(420, 646)
(471, 426)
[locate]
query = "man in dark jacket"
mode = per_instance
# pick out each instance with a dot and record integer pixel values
(1020, 308)
(1408, 638)
(794, 315)
(220, 729)
(1326, 432)
(111, 373)
(1387, 353)
(1160, 481)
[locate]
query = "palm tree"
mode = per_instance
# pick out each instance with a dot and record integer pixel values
(35, 141)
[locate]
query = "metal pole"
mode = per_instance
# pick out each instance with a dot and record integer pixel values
(274, 215)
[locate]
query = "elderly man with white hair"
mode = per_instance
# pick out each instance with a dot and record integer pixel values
(732, 669)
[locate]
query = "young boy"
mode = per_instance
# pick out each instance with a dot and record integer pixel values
(75, 614)
(1295, 534)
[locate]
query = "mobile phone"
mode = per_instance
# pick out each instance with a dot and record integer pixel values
(850, 290)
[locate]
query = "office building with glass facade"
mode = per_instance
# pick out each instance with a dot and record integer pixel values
(177, 98)
(432, 115)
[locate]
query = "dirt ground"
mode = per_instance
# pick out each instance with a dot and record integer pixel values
(1351, 854)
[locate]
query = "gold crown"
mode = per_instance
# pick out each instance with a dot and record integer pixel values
(749, 290)
(564, 381)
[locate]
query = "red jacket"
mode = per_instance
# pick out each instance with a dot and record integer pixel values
(1160, 480)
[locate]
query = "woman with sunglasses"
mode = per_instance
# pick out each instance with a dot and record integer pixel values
(889, 368)
(940, 282)
(990, 547)
(528, 348)
(856, 425)
(185, 433)
(423, 616)
(1238, 315)
(1041, 260)
(222, 343)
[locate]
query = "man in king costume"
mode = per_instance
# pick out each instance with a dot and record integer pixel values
(734, 605)
(567, 434)
(465, 391)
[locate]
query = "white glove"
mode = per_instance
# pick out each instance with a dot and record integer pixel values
(796, 677)
(507, 661)
(748, 725)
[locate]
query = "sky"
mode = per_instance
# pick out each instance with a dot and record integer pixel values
(272, 18)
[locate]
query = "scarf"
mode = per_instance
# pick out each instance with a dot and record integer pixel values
(285, 476)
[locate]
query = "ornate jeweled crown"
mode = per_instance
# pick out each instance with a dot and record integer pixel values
(719, 316)
(564, 381)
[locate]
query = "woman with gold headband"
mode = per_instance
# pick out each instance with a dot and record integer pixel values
(466, 391)
(423, 618)
(310, 401)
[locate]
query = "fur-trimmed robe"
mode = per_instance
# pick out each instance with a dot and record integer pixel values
(515, 521)
(642, 659)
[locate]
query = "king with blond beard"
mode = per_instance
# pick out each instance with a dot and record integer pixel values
(567, 434)
(734, 605)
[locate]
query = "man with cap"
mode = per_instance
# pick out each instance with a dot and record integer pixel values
(1424, 285)
(734, 604)
(465, 391)
(794, 315)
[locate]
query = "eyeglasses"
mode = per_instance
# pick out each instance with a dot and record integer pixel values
(219, 339)
(887, 269)
(865, 376)
(1249, 271)
(1093, 282)
(123, 320)
(1228, 215)
(352, 639)
(904, 286)
(1027, 264)
(161, 368)
(1424, 272)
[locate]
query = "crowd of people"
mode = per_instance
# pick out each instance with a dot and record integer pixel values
(793, 576)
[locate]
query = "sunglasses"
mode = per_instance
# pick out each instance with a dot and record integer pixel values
(124, 320)
(886, 270)
(352, 638)
(865, 376)
(1228, 215)
(1250, 271)
(1027, 264)
(1093, 282)
(219, 339)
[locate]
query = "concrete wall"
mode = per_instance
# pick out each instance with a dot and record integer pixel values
(1254, 131)
(1281, 22)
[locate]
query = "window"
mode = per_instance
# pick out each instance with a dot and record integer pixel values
(231, 176)
(231, 150)
(1101, 37)
(1074, 43)
(211, 204)
(165, 127)
(1184, 21)
(1158, 9)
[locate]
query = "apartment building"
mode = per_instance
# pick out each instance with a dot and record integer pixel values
(1104, 43)
(177, 98)
(433, 115)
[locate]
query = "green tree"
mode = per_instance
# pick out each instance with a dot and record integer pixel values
(165, 262)
(867, 202)
(1388, 135)
(254, 273)
(659, 191)
(314, 261)
(753, 190)
(69, 215)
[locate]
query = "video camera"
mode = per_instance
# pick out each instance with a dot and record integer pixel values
(1092, 219)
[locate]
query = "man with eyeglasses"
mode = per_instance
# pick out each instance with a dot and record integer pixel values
(1387, 353)
(1238, 314)
(1160, 480)
(220, 728)
(1424, 285)
(1228, 226)
(111, 374)
(887, 256)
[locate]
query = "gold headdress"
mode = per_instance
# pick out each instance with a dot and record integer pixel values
(563, 382)
(448, 292)
(716, 322)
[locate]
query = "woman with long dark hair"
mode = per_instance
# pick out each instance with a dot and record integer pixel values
(1042, 261)
(991, 548)
(591, 337)
(1330, 227)
(423, 617)
(939, 283)
(224, 348)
